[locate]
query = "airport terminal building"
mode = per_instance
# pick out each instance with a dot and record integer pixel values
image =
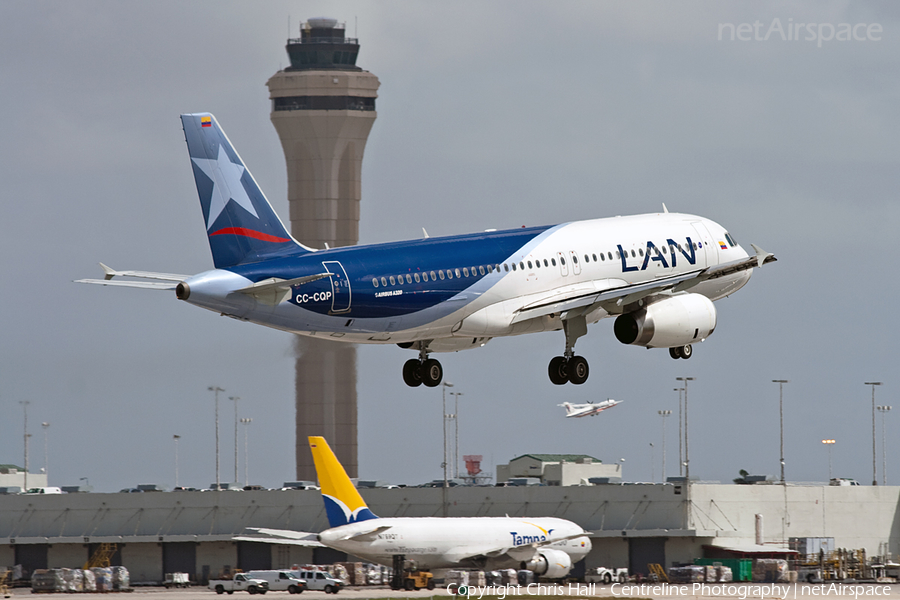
(631, 525)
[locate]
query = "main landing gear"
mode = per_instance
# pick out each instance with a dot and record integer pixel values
(568, 367)
(681, 352)
(417, 371)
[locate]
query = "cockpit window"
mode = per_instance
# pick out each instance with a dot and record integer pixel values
(730, 239)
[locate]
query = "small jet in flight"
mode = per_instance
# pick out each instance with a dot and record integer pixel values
(656, 274)
(588, 410)
(548, 546)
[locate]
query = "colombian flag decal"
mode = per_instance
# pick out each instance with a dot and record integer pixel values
(205, 121)
(722, 245)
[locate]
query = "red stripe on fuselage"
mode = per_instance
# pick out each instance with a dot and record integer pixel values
(265, 237)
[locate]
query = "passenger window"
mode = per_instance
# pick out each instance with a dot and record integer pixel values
(641, 251)
(553, 261)
(602, 257)
(574, 259)
(610, 254)
(562, 260)
(465, 272)
(695, 245)
(522, 265)
(481, 270)
(392, 280)
(433, 278)
(457, 272)
(546, 264)
(375, 281)
(384, 282)
(449, 274)
(514, 266)
(530, 266)
(594, 256)
(505, 267)
(416, 277)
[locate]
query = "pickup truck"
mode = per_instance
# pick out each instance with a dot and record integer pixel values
(240, 583)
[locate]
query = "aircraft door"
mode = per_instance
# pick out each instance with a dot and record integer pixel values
(576, 266)
(563, 267)
(708, 254)
(340, 286)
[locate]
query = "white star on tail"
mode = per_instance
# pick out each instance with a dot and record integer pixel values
(226, 177)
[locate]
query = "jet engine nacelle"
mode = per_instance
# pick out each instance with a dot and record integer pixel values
(675, 321)
(549, 563)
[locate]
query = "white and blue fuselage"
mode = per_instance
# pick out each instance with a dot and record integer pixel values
(471, 286)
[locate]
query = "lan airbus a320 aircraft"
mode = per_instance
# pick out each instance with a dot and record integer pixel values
(656, 273)
(546, 545)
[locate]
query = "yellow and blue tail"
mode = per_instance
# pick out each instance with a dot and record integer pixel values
(343, 504)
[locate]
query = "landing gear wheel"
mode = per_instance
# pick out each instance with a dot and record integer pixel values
(687, 351)
(578, 370)
(558, 370)
(412, 373)
(432, 373)
(675, 352)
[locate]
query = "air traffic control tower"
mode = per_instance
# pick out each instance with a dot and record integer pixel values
(323, 107)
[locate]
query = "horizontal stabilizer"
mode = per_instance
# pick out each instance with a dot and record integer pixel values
(367, 536)
(109, 273)
(274, 291)
(147, 285)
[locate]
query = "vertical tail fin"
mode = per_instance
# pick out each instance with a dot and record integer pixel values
(343, 504)
(240, 222)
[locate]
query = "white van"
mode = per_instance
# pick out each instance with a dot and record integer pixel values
(42, 490)
(281, 581)
(319, 581)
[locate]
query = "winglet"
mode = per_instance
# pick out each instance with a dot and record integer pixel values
(762, 257)
(108, 273)
(665, 210)
(343, 504)
(425, 234)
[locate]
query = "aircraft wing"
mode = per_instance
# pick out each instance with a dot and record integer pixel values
(581, 302)
(161, 281)
(523, 552)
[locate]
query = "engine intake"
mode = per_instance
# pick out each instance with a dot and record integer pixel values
(549, 563)
(667, 323)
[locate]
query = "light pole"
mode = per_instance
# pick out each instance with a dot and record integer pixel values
(680, 433)
(216, 389)
(829, 444)
(652, 460)
(781, 383)
(246, 421)
(235, 400)
(176, 437)
(664, 414)
(444, 386)
(874, 474)
(46, 426)
(455, 468)
(883, 410)
(25, 437)
(687, 452)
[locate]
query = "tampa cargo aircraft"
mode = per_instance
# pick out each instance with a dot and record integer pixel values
(548, 546)
(657, 274)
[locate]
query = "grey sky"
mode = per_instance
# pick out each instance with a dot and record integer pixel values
(489, 115)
